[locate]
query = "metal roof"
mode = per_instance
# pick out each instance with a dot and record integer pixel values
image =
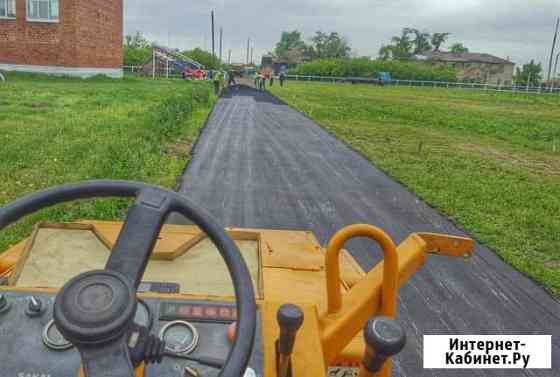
(466, 57)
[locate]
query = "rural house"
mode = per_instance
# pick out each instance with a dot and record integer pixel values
(68, 37)
(291, 59)
(474, 67)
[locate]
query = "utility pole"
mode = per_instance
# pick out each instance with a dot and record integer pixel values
(229, 57)
(556, 66)
(213, 36)
(554, 74)
(153, 63)
(221, 43)
(252, 61)
(248, 49)
(553, 48)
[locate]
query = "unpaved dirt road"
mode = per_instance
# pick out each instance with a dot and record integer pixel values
(260, 164)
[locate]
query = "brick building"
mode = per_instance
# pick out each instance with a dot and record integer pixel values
(70, 37)
(474, 67)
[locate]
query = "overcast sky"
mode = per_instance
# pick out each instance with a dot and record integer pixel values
(518, 29)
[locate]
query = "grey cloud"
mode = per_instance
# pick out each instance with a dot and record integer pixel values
(519, 29)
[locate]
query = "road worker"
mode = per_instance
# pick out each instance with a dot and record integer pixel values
(282, 77)
(217, 78)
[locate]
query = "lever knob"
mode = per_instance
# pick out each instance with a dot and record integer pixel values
(384, 338)
(34, 306)
(290, 319)
(4, 304)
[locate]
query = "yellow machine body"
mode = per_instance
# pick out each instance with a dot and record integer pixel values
(336, 295)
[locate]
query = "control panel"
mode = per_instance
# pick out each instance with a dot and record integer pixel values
(194, 331)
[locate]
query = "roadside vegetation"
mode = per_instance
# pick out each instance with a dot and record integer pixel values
(365, 67)
(330, 55)
(58, 130)
(490, 161)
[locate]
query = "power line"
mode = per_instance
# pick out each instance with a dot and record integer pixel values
(553, 48)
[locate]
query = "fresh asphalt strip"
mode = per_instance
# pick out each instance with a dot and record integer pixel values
(260, 164)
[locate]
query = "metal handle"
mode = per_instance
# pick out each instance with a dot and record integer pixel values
(290, 318)
(384, 337)
(390, 266)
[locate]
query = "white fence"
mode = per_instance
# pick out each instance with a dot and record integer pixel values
(137, 69)
(431, 84)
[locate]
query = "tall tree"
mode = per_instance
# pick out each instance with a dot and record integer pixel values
(203, 57)
(401, 47)
(331, 45)
(136, 41)
(137, 50)
(290, 40)
(438, 39)
(412, 42)
(458, 48)
(531, 74)
(421, 41)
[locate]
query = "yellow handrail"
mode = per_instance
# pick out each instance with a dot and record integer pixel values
(390, 266)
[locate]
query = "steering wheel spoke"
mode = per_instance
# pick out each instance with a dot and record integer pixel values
(139, 234)
(112, 360)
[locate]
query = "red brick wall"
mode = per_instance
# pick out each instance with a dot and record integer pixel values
(88, 34)
(99, 33)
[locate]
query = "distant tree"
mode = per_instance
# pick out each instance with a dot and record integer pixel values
(530, 73)
(290, 40)
(203, 57)
(331, 45)
(136, 41)
(421, 41)
(458, 48)
(412, 42)
(386, 52)
(438, 39)
(137, 49)
(401, 47)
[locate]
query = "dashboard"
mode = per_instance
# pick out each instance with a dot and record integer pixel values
(31, 346)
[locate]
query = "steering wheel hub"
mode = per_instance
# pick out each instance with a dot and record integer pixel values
(95, 307)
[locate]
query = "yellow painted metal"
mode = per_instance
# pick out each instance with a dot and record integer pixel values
(390, 270)
(335, 294)
(364, 300)
(139, 372)
(363, 372)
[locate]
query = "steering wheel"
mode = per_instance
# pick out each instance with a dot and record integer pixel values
(95, 310)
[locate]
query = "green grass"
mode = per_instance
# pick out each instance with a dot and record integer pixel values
(58, 130)
(490, 161)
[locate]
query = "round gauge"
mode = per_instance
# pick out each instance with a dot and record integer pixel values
(179, 336)
(54, 339)
(143, 316)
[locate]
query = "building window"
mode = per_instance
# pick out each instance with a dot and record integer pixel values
(42, 10)
(7, 8)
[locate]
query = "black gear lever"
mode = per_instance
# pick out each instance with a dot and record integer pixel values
(145, 347)
(384, 338)
(290, 319)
